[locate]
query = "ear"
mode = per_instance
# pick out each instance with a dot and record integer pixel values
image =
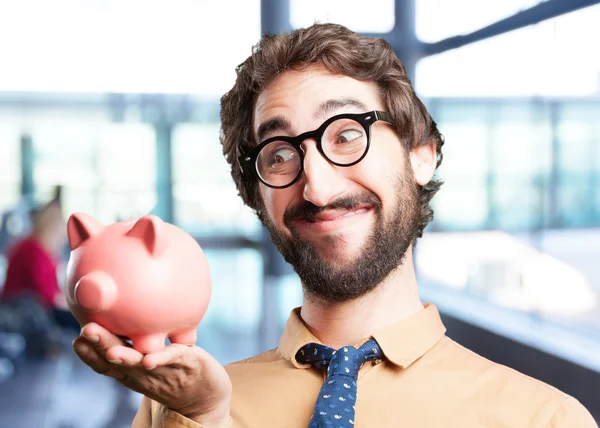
(423, 160)
(151, 230)
(80, 228)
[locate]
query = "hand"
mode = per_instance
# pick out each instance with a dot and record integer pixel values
(183, 378)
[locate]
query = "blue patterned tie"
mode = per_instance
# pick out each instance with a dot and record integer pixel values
(335, 404)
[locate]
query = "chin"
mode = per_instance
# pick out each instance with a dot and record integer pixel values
(339, 254)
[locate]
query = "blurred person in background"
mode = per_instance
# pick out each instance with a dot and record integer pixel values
(33, 263)
(331, 147)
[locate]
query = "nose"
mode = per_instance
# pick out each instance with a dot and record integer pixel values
(322, 183)
(95, 292)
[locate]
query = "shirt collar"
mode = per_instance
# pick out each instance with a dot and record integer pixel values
(402, 343)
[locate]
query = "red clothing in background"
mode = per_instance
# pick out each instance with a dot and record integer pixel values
(31, 270)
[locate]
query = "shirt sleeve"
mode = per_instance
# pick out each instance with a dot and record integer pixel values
(154, 415)
(571, 413)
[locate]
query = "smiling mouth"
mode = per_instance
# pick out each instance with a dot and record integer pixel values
(333, 215)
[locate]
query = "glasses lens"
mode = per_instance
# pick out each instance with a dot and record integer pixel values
(278, 163)
(344, 141)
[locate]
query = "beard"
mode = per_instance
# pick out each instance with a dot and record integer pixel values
(383, 252)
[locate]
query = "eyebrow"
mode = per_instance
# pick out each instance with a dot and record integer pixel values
(334, 104)
(280, 123)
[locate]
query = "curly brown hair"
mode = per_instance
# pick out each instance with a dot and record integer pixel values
(340, 51)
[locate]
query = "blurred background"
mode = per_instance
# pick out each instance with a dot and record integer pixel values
(117, 102)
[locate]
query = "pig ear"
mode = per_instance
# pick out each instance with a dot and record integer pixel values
(80, 228)
(151, 230)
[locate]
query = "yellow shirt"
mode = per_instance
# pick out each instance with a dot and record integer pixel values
(425, 380)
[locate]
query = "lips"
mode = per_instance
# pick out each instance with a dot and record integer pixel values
(331, 215)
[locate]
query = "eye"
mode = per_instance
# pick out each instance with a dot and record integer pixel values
(349, 135)
(282, 155)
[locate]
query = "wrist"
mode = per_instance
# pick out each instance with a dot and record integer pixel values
(220, 418)
(218, 422)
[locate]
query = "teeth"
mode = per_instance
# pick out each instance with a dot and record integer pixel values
(351, 213)
(348, 214)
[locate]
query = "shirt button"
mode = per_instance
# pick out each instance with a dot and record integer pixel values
(377, 361)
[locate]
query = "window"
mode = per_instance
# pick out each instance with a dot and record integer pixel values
(205, 196)
(462, 204)
(108, 170)
(376, 16)
(125, 46)
(521, 145)
(440, 19)
(538, 60)
(10, 165)
(578, 158)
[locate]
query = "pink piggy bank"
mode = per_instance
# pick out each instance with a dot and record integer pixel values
(146, 280)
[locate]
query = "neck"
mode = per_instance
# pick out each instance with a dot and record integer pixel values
(338, 324)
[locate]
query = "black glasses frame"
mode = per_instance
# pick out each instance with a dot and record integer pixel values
(248, 161)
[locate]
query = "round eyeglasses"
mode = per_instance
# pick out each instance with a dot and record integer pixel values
(343, 140)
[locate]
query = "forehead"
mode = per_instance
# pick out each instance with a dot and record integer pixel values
(297, 95)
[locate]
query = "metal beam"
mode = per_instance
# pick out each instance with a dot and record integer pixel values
(275, 16)
(27, 169)
(553, 219)
(541, 12)
(403, 37)
(164, 171)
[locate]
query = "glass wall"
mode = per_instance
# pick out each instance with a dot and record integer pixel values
(114, 96)
(107, 170)
(438, 19)
(133, 46)
(205, 197)
(578, 163)
(516, 222)
(518, 165)
(522, 154)
(99, 108)
(376, 17)
(548, 59)
(10, 165)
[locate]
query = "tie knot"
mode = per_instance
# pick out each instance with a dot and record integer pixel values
(346, 361)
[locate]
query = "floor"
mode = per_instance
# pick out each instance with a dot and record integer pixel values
(62, 392)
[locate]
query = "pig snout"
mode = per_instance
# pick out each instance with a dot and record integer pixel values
(95, 292)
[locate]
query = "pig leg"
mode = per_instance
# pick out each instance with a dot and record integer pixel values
(185, 337)
(149, 343)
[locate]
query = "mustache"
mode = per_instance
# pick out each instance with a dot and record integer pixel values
(308, 210)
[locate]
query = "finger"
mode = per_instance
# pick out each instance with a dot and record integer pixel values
(101, 338)
(124, 355)
(170, 355)
(91, 357)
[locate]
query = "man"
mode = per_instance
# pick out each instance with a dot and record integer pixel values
(330, 146)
